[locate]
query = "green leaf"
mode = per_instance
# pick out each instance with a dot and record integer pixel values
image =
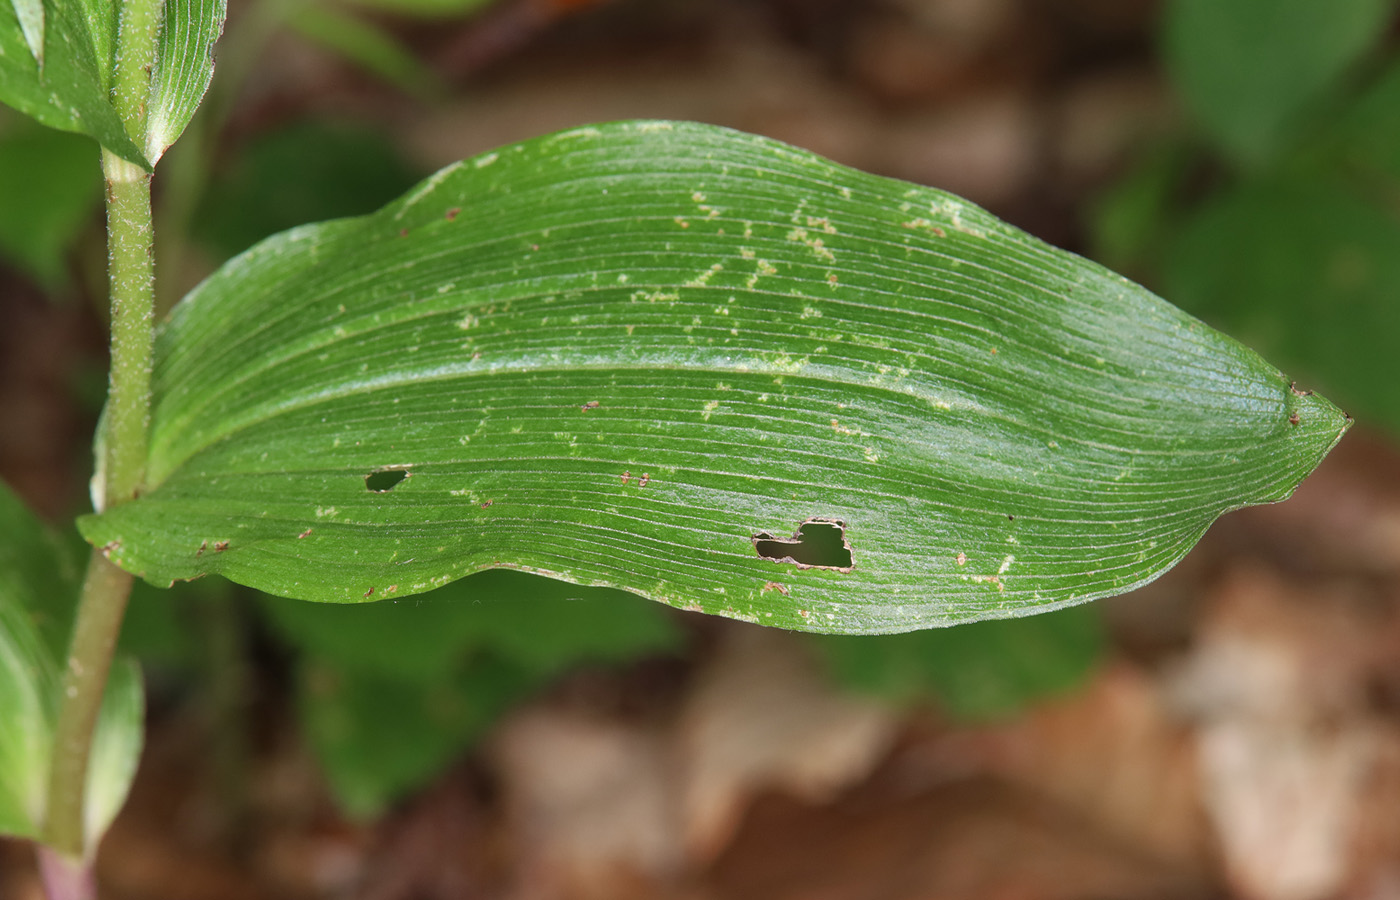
(379, 737)
(1309, 271)
(27, 683)
(630, 355)
(66, 86)
(116, 748)
(184, 67)
(38, 590)
(1248, 68)
(984, 670)
(52, 186)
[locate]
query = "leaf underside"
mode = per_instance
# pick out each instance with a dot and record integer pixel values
(636, 354)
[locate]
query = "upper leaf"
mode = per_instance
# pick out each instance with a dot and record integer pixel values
(56, 64)
(644, 354)
(184, 67)
(66, 85)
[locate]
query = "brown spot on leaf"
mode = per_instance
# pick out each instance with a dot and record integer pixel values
(220, 546)
(203, 545)
(304, 534)
(775, 586)
(369, 593)
(591, 404)
(643, 482)
(626, 477)
(453, 213)
(1293, 419)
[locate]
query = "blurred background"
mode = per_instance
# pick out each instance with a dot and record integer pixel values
(1232, 730)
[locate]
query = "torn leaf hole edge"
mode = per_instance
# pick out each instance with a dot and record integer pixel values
(797, 539)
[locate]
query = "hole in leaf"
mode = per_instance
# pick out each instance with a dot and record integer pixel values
(381, 481)
(818, 544)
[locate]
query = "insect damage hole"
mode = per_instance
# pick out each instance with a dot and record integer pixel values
(818, 544)
(381, 481)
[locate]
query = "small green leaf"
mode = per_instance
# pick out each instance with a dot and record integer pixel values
(635, 355)
(1247, 68)
(116, 748)
(69, 91)
(38, 591)
(27, 684)
(184, 67)
(68, 85)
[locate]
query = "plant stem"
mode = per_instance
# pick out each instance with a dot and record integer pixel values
(102, 605)
(100, 610)
(130, 237)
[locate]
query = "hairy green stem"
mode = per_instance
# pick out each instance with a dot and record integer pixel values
(100, 611)
(130, 236)
(102, 605)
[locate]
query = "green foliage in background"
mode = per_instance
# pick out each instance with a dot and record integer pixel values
(981, 671)
(391, 692)
(52, 191)
(306, 171)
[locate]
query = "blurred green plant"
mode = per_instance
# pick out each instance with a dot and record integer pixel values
(51, 195)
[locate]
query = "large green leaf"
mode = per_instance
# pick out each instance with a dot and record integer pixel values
(56, 64)
(38, 590)
(643, 354)
(1247, 68)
